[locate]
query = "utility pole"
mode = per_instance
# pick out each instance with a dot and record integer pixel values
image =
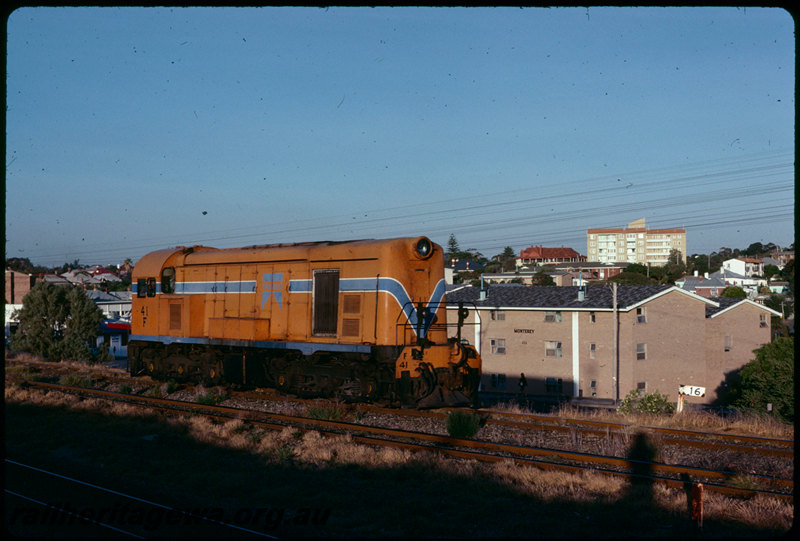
(615, 353)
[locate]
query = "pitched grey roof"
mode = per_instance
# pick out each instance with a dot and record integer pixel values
(724, 303)
(520, 296)
(691, 283)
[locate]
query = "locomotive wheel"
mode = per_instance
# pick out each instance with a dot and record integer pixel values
(284, 381)
(213, 374)
(369, 388)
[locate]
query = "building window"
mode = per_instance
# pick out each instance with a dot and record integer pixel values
(498, 346)
(728, 342)
(592, 317)
(592, 350)
(498, 315)
(763, 320)
(641, 352)
(498, 381)
(641, 316)
(552, 349)
(641, 386)
(553, 317)
(553, 385)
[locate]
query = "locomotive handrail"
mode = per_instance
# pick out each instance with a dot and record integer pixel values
(404, 325)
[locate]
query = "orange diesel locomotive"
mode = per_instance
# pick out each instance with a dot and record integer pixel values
(361, 320)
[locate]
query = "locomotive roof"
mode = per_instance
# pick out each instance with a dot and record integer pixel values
(152, 263)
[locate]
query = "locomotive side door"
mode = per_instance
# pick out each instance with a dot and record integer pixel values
(325, 318)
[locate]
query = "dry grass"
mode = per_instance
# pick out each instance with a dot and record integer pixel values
(384, 492)
(705, 421)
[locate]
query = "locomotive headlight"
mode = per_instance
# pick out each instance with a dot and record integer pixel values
(423, 248)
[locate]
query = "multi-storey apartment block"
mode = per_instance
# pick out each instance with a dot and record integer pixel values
(573, 343)
(635, 244)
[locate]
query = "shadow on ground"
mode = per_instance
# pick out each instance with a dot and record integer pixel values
(157, 460)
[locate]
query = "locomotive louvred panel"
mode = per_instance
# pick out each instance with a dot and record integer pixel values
(175, 316)
(350, 328)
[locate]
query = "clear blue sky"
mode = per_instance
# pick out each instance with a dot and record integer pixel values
(134, 129)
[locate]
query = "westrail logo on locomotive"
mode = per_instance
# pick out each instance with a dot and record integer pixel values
(272, 284)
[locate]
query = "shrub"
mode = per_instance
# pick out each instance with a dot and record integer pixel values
(462, 425)
(325, 411)
(636, 402)
(75, 380)
(769, 379)
(210, 398)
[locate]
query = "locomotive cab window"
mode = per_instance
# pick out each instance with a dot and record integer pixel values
(326, 301)
(168, 280)
(141, 287)
(151, 287)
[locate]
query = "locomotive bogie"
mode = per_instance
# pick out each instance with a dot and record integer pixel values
(359, 319)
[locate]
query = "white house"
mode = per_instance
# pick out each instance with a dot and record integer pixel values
(745, 266)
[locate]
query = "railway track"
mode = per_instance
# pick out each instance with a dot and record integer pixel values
(545, 458)
(576, 428)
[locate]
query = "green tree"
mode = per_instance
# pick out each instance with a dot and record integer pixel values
(508, 259)
(452, 247)
(770, 271)
(541, 278)
(57, 322)
(637, 268)
(781, 304)
(734, 292)
(769, 379)
(635, 278)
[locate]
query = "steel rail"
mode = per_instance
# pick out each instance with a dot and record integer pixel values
(357, 430)
(670, 436)
(660, 430)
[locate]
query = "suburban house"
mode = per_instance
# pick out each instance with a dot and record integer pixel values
(782, 256)
(705, 286)
(750, 284)
(603, 341)
(539, 255)
(745, 266)
(459, 266)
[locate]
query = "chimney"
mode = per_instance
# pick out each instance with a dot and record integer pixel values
(483, 292)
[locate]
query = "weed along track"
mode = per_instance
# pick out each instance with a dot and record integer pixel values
(372, 426)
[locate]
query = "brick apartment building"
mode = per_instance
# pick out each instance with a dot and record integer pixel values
(18, 284)
(635, 244)
(562, 340)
